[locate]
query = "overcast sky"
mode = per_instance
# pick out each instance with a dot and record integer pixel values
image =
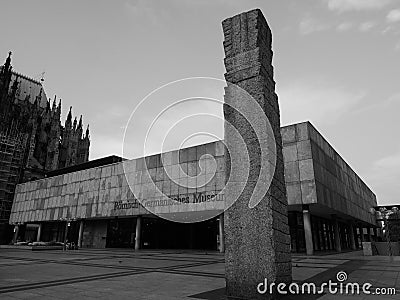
(336, 64)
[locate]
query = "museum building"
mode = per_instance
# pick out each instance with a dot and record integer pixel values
(94, 204)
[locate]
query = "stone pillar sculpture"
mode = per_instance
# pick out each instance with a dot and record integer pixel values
(257, 242)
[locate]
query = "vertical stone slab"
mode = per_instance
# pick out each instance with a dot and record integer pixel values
(16, 233)
(39, 233)
(369, 234)
(361, 230)
(138, 232)
(257, 242)
(308, 231)
(338, 243)
(80, 234)
(221, 233)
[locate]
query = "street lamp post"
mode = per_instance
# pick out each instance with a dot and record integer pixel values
(66, 234)
(67, 225)
(16, 232)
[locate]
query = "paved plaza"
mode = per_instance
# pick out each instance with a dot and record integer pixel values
(125, 274)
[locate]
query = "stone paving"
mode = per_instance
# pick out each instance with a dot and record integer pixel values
(125, 274)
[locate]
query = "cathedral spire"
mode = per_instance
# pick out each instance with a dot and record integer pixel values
(68, 122)
(54, 102)
(69, 117)
(74, 126)
(6, 74)
(59, 107)
(7, 65)
(79, 130)
(87, 132)
(80, 122)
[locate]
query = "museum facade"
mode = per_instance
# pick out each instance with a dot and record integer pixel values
(95, 204)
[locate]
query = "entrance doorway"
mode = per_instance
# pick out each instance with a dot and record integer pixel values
(121, 233)
(159, 233)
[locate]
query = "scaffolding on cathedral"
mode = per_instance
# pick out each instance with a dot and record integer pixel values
(12, 149)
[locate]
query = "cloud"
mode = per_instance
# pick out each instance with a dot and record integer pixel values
(318, 102)
(344, 26)
(162, 122)
(137, 7)
(389, 162)
(366, 26)
(310, 25)
(356, 5)
(386, 30)
(393, 16)
(147, 10)
(105, 145)
(384, 172)
(384, 175)
(378, 105)
(394, 98)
